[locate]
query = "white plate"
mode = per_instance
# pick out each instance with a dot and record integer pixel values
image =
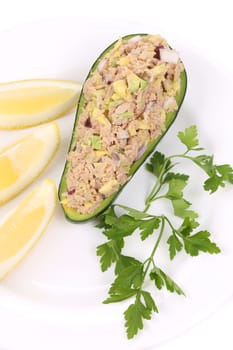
(56, 292)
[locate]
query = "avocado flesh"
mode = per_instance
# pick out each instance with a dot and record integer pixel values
(70, 213)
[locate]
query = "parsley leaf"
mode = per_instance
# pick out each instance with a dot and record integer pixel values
(107, 218)
(220, 175)
(180, 207)
(213, 183)
(176, 176)
(192, 244)
(149, 301)
(124, 226)
(147, 227)
(200, 242)
(226, 172)
(131, 276)
(157, 278)
(189, 137)
(124, 261)
(122, 294)
(187, 226)
(175, 246)
(157, 163)
(177, 183)
(205, 162)
(100, 221)
(109, 253)
(160, 278)
(134, 316)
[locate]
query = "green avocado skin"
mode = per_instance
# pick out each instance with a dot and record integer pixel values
(71, 214)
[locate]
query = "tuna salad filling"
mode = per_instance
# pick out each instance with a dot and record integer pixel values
(126, 99)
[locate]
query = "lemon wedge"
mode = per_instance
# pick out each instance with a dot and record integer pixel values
(31, 102)
(23, 226)
(24, 160)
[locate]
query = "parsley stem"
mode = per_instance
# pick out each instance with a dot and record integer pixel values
(157, 186)
(153, 192)
(159, 237)
(182, 155)
(171, 226)
(169, 222)
(186, 157)
(147, 207)
(152, 199)
(159, 197)
(151, 258)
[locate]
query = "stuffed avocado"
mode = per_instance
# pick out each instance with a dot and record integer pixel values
(130, 98)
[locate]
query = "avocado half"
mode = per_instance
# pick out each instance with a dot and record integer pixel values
(70, 213)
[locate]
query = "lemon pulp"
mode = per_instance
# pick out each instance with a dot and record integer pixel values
(14, 234)
(29, 100)
(12, 165)
(32, 102)
(24, 160)
(22, 228)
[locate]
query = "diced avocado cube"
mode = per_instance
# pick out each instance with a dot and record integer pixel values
(96, 142)
(135, 83)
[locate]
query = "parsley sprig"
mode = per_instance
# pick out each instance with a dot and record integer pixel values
(132, 275)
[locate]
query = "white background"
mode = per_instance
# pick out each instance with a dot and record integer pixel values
(206, 25)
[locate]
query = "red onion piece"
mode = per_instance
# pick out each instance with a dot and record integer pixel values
(101, 64)
(115, 157)
(157, 51)
(168, 55)
(150, 104)
(170, 100)
(123, 134)
(71, 191)
(87, 123)
(141, 150)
